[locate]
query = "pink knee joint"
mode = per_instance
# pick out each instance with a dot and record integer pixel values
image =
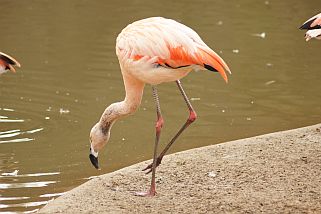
(192, 116)
(159, 124)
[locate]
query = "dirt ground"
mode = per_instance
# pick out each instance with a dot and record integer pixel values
(273, 173)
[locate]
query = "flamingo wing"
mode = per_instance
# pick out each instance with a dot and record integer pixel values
(312, 23)
(174, 44)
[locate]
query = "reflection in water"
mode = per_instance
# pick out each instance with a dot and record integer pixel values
(26, 185)
(12, 180)
(15, 133)
(16, 140)
(27, 204)
(51, 195)
(70, 74)
(4, 119)
(15, 174)
(12, 198)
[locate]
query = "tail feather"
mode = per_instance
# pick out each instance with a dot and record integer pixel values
(310, 25)
(204, 56)
(213, 62)
(9, 62)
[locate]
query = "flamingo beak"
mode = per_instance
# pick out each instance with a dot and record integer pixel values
(93, 156)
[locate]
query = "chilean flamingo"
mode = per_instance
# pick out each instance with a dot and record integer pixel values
(313, 25)
(152, 51)
(7, 62)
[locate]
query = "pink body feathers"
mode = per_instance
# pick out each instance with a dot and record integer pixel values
(168, 51)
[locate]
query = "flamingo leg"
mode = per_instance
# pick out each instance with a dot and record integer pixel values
(192, 117)
(158, 126)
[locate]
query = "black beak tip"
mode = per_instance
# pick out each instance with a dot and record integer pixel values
(94, 161)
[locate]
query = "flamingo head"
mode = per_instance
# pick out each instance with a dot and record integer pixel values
(99, 136)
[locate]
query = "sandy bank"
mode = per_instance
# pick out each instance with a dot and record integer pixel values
(273, 173)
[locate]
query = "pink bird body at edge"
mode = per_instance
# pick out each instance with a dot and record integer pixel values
(313, 25)
(7, 62)
(152, 51)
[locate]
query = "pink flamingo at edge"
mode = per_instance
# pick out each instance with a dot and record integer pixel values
(313, 25)
(7, 62)
(152, 51)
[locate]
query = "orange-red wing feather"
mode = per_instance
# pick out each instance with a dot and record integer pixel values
(204, 57)
(179, 57)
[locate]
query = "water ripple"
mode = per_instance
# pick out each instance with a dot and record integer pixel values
(12, 198)
(20, 140)
(11, 120)
(26, 185)
(10, 133)
(6, 109)
(16, 183)
(27, 204)
(16, 132)
(50, 195)
(29, 175)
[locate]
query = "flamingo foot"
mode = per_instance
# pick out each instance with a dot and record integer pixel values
(149, 193)
(150, 166)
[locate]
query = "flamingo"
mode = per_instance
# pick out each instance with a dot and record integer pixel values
(152, 51)
(7, 62)
(313, 25)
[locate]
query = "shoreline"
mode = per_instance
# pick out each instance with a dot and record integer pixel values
(273, 173)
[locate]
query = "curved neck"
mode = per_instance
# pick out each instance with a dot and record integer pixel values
(134, 92)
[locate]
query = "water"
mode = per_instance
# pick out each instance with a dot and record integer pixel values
(70, 74)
